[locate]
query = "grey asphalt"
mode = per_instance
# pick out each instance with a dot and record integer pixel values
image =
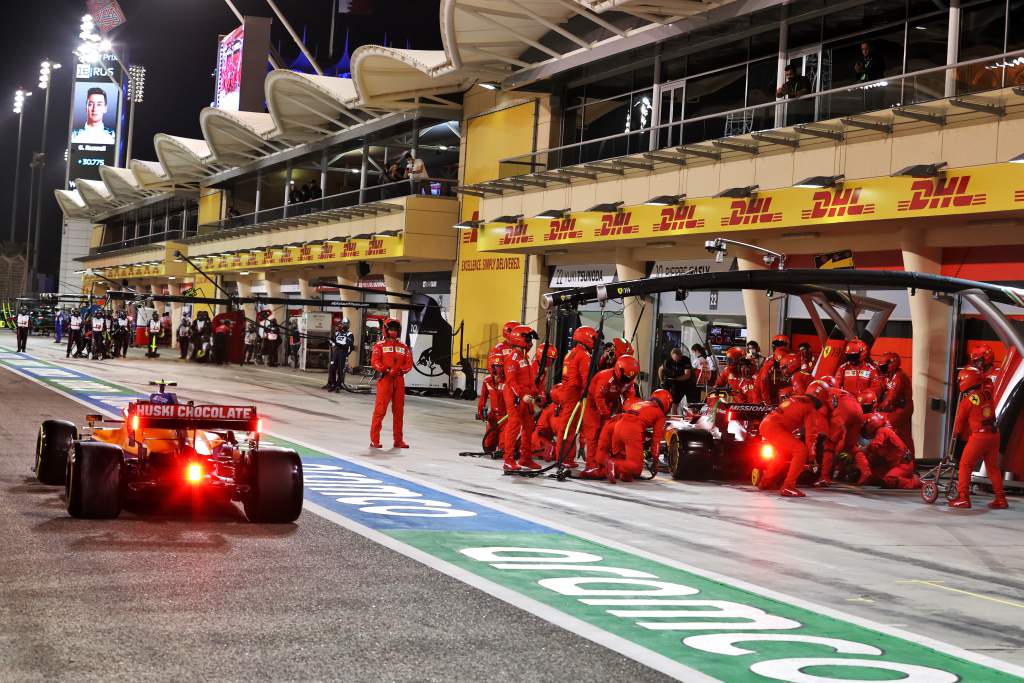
(174, 596)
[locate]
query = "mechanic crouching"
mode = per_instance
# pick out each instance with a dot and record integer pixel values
(620, 451)
(491, 393)
(892, 463)
(800, 412)
(845, 420)
(609, 390)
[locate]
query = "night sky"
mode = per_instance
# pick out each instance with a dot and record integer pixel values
(176, 41)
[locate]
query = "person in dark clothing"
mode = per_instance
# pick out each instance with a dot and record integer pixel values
(220, 341)
(870, 67)
(294, 341)
(272, 342)
(341, 341)
(184, 335)
(796, 85)
(676, 375)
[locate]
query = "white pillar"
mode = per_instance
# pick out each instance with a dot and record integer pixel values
(636, 313)
(952, 46)
(930, 322)
(755, 303)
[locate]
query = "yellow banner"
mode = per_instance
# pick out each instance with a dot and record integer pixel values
(979, 189)
(122, 272)
(379, 247)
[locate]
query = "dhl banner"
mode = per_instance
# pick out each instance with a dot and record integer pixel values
(979, 189)
(128, 271)
(378, 247)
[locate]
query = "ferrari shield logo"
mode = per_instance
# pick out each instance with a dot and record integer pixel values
(975, 399)
(827, 351)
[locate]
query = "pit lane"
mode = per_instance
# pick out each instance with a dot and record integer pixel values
(169, 596)
(879, 555)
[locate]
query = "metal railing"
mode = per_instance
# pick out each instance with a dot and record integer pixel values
(142, 240)
(928, 85)
(433, 187)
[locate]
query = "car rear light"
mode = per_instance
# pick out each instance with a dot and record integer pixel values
(135, 423)
(194, 473)
(259, 425)
(767, 451)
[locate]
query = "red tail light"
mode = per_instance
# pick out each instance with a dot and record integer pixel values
(194, 473)
(767, 451)
(135, 423)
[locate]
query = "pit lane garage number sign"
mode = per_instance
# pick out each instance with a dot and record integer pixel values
(187, 412)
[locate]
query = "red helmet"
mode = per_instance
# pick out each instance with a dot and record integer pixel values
(507, 328)
(587, 336)
(970, 378)
(789, 364)
(818, 390)
(552, 353)
(622, 347)
(982, 357)
(867, 398)
(627, 367)
(392, 328)
(856, 351)
(873, 423)
(521, 336)
(662, 397)
(734, 355)
(829, 380)
(780, 340)
(890, 363)
(494, 363)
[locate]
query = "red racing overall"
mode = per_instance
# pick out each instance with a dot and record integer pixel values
(891, 460)
(392, 359)
(976, 423)
(845, 420)
(897, 404)
(620, 451)
(777, 428)
(519, 394)
(605, 397)
(566, 396)
(491, 391)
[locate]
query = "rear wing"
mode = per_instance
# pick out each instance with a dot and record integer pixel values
(150, 415)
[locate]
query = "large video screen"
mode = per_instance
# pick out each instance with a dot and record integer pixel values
(95, 119)
(229, 70)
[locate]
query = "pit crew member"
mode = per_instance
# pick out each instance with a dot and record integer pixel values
(897, 398)
(392, 359)
(845, 420)
(976, 423)
(800, 412)
(491, 392)
(892, 463)
(621, 448)
(608, 391)
(858, 372)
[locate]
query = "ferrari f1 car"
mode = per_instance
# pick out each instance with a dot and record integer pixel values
(165, 450)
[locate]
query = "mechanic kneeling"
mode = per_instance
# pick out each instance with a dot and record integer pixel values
(800, 412)
(620, 452)
(891, 460)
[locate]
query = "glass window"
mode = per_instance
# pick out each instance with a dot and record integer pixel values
(717, 92)
(764, 44)
(926, 49)
(917, 8)
(862, 19)
(673, 69)
(1015, 39)
(849, 64)
(804, 33)
(982, 30)
(717, 57)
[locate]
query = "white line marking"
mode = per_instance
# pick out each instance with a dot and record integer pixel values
(565, 621)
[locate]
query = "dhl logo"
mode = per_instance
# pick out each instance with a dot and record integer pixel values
(268, 256)
(286, 256)
(613, 224)
(1018, 196)
(350, 250)
(305, 253)
(236, 260)
(252, 260)
(516, 234)
(326, 252)
(942, 193)
(562, 229)
(679, 218)
(755, 211)
(469, 236)
(376, 248)
(842, 202)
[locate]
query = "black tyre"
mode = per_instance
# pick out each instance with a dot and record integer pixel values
(690, 454)
(274, 477)
(53, 446)
(94, 480)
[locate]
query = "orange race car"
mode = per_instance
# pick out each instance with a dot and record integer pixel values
(171, 451)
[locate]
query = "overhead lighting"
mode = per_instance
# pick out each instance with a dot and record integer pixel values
(553, 214)
(665, 200)
(660, 245)
(922, 170)
(171, 277)
(467, 225)
(1019, 159)
(488, 86)
(738, 192)
(818, 182)
(243, 272)
(799, 235)
(508, 219)
(606, 207)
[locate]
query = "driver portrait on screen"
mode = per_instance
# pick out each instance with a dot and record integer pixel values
(94, 132)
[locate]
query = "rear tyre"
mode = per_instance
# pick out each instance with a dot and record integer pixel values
(53, 445)
(94, 480)
(274, 477)
(690, 454)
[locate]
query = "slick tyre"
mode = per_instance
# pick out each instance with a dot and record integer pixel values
(274, 478)
(690, 455)
(54, 444)
(94, 480)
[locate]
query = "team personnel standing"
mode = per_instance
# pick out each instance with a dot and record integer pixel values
(858, 372)
(184, 334)
(24, 324)
(608, 391)
(100, 328)
(500, 347)
(341, 342)
(520, 394)
(800, 412)
(897, 398)
(733, 357)
(567, 394)
(121, 334)
(75, 334)
(392, 359)
(976, 424)
(621, 447)
(153, 329)
(491, 392)
(59, 323)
